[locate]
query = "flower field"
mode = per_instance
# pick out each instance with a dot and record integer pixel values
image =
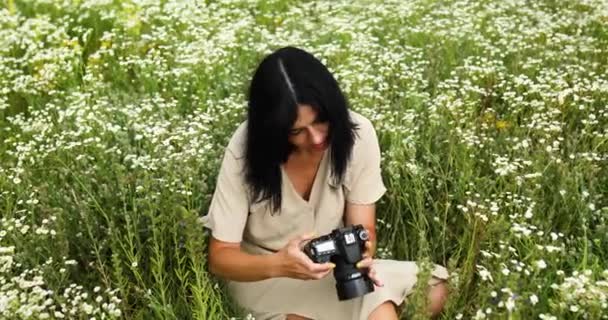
(492, 118)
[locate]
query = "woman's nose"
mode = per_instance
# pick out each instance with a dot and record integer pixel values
(316, 136)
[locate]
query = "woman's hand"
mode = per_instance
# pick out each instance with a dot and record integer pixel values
(368, 263)
(294, 263)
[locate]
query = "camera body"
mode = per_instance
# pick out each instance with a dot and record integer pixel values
(344, 247)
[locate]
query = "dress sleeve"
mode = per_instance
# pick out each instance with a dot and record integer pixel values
(227, 213)
(363, 183)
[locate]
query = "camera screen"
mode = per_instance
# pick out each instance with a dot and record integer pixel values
(325, 247)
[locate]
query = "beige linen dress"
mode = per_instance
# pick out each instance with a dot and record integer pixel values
(233, 217)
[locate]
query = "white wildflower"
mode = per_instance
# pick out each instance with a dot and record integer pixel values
(540, 264)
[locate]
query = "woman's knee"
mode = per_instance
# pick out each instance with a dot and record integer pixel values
(385, 311)
(438, 295)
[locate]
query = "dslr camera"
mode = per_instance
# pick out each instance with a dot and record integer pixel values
(344, 247)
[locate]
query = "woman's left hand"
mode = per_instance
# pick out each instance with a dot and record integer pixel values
(368, 263)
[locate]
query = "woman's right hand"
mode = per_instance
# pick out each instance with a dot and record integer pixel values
(294, 263)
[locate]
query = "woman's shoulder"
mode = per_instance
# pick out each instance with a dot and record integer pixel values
(236, 145)
(365, 128)
(358, 118)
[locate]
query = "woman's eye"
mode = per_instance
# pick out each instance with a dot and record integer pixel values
(295, 132)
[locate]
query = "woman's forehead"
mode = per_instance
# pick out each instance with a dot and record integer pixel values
(306, 115)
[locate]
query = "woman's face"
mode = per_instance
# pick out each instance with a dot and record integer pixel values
(308, 133)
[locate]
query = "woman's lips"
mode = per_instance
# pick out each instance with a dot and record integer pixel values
(319, 146)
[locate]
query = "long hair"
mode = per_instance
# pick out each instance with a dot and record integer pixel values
(283, 80)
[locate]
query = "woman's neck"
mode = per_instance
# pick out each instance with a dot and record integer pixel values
(301, 157)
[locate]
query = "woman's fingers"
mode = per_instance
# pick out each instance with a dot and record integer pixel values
(298, 264)
(365, 263)
(315, 271)
(322, 274)
(373, 275)
(301, 240)
(321, 267)
(368, 249)
(368, 263)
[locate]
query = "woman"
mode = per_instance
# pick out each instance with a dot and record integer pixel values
(301, 165)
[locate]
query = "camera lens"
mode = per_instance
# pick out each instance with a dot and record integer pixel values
(356, 287)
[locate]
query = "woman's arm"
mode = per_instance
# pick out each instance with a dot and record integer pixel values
(364, 214)
(227, 260)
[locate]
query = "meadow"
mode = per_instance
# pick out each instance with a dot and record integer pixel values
(492, 118)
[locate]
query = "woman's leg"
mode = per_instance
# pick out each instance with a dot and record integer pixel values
(385, 311)
(437, 295)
